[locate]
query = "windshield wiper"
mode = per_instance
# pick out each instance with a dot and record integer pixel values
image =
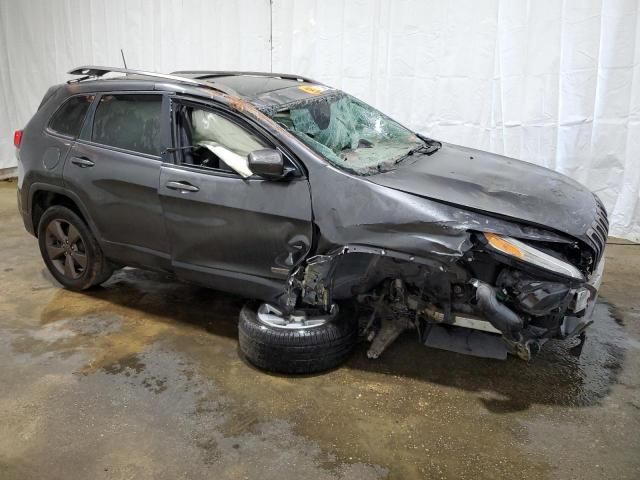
(427, 148)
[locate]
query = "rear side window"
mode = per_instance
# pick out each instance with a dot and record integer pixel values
(68, 119)
(129, 121)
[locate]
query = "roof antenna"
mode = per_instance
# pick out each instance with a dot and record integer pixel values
(123, 59)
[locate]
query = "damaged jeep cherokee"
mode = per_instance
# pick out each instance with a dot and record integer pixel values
(338, 222)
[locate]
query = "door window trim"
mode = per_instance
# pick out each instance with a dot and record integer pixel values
(87, 129)
(175, 158)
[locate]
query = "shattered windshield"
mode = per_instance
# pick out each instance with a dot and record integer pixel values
(349, 133)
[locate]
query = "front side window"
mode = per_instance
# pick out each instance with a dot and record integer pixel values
(211, 140)
(348, 132)
(68, 119)
(129, 121)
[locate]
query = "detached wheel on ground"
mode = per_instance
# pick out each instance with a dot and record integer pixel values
(70, 251)
(295, 343)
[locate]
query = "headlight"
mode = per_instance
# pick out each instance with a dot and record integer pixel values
(522, 251)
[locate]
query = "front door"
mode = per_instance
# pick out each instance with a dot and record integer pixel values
(225, 225)
(114, 168)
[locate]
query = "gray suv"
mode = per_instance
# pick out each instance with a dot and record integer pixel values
(335, 220)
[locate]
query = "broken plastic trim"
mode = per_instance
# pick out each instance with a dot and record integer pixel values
(312, 282)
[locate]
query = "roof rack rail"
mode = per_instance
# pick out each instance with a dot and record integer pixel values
(202, 74)
(92, 71)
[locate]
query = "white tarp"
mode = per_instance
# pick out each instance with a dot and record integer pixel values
(553, 82)
(40, 40)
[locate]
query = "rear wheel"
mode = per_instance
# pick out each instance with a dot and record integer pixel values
(70, 250)
(311, 345)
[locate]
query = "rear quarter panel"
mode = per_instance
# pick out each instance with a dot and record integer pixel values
(41, 154)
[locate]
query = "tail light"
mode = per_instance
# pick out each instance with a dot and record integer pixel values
(17, 138)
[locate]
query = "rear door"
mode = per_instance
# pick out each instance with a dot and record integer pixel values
(219, 222)
(114, 168)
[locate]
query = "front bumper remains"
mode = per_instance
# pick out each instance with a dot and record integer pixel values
(479, 337)
(576, 324)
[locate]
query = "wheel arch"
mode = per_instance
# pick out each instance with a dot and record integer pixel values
(43, 196)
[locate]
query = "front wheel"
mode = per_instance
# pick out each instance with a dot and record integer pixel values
(70, 250)
(295, 344)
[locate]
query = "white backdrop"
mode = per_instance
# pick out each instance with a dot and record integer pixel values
(554, 82)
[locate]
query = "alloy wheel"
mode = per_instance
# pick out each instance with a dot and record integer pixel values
(66, 249)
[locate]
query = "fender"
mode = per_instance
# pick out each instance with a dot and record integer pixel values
(45, 187)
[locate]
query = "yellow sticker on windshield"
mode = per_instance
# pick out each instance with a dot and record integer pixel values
(312, 89)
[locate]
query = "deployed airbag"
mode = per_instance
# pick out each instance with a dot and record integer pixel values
(230, 142)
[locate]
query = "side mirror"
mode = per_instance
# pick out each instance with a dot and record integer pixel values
(267, 163)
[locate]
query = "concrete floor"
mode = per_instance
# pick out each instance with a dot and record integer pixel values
(142, 379)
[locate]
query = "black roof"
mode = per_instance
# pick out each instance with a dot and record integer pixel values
(248, 85)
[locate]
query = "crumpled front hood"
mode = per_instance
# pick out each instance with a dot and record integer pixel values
(498, 185)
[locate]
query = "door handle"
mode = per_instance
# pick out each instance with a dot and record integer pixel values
(82, 162)
(182, 186)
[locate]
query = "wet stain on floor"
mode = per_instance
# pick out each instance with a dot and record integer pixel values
(141, 378)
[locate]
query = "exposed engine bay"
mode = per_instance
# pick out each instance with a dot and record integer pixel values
(502, 296)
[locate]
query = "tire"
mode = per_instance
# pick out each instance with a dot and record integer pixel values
(296, 350)
(70, 251)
